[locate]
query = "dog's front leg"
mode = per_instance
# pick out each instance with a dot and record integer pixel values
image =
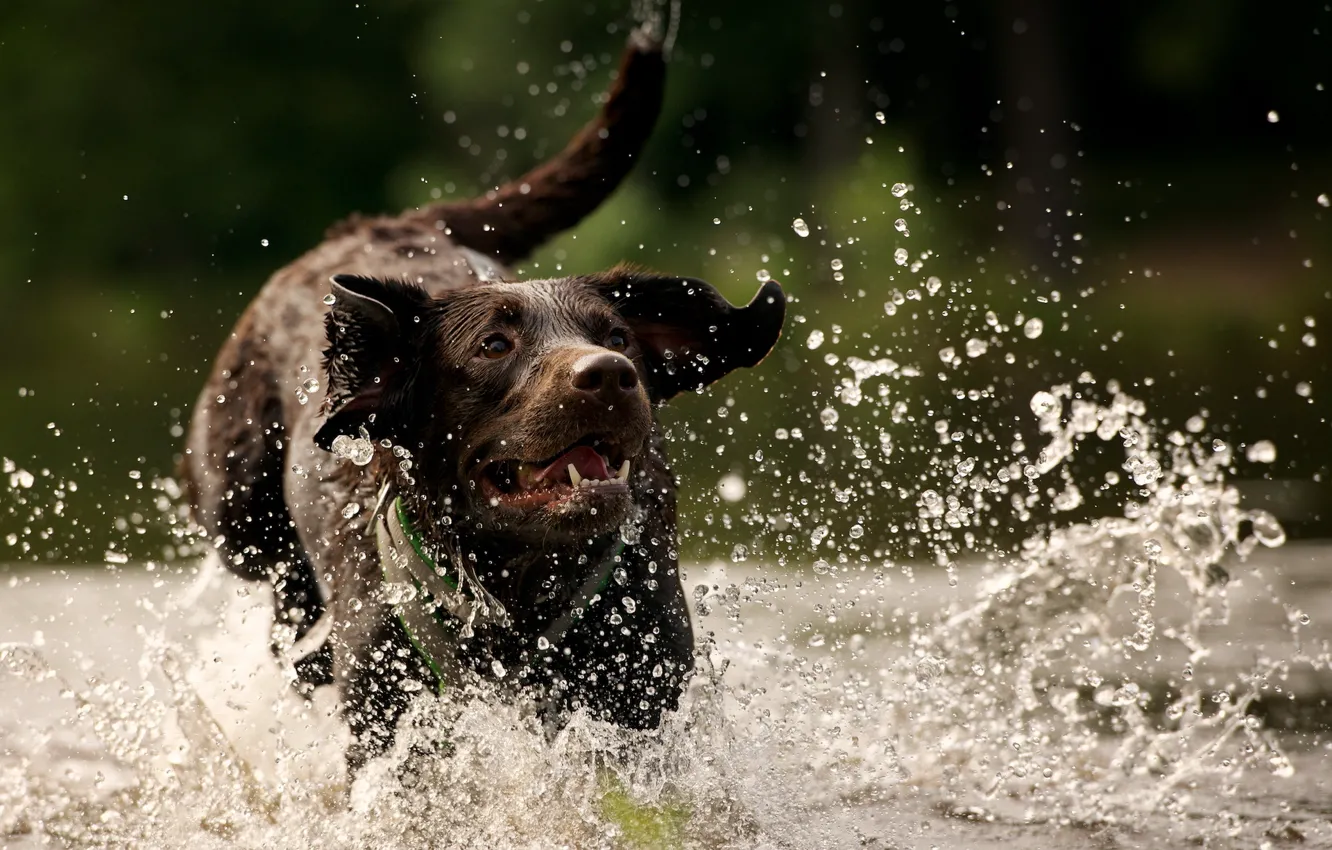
(380, 676)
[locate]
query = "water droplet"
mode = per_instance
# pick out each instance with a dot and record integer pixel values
(817, 640)
(358, 450)
(1152, 548)
(857, 531)
(1309, 339)
(1033, 328)
(815, 339)
(928, 669)
(497, 668)
(900, 256)
(543, 643)
(1272, 116)
(731, 488)
(1044, 405)
(899, 189)
(1267, 529)
(311, 385)
(263, 242)
(933, 284)
(350, 510)
(1324, 200)
(901, 226)
(828, 417)
(397, 592)
(1145, 470)
(330, 299)
(836, 264)
(801, 229)
(822, 567)
(763, 276)
(630, 606)
(977, 347)
(1263, 451)
(1303, 389)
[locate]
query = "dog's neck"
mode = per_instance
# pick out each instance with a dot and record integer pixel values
(522, 576)
(533, 582)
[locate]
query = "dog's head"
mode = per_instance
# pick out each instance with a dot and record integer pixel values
(527, 407)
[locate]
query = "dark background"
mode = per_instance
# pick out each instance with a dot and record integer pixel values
(1143, 176)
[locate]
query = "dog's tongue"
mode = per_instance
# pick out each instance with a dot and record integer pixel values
(587, 461)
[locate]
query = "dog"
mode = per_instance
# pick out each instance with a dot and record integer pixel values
(483, 491)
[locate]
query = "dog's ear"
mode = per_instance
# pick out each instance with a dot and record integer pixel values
(371, 329)
(689, 333)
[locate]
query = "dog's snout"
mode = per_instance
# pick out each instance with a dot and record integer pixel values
(606, 376)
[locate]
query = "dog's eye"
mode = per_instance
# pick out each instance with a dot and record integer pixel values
(617, 341)
(496, 346)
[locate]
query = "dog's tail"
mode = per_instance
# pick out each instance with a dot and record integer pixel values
(514, 219)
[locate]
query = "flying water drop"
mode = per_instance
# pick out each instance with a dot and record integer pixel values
(1263, 451)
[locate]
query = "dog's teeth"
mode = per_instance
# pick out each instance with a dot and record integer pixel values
(623, 474)
(574, 477)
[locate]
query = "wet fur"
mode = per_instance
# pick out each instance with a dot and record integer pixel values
(266, 489)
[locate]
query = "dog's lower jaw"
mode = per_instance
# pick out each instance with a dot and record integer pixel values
(592, 511)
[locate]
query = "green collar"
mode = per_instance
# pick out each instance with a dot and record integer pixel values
(433, 607)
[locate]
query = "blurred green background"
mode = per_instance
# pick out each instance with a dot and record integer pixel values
(1144, 177)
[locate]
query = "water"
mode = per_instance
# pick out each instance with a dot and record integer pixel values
(1085, 681)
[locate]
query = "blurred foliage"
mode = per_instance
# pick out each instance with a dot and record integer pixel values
(1117, 175)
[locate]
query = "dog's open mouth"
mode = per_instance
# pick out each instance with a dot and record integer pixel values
(591, 467)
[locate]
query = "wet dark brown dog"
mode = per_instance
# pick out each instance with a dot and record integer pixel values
(483, 410)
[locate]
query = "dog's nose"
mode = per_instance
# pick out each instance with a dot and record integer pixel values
(606, 376)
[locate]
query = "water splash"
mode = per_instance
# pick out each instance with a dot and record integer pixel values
(1074, 681)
